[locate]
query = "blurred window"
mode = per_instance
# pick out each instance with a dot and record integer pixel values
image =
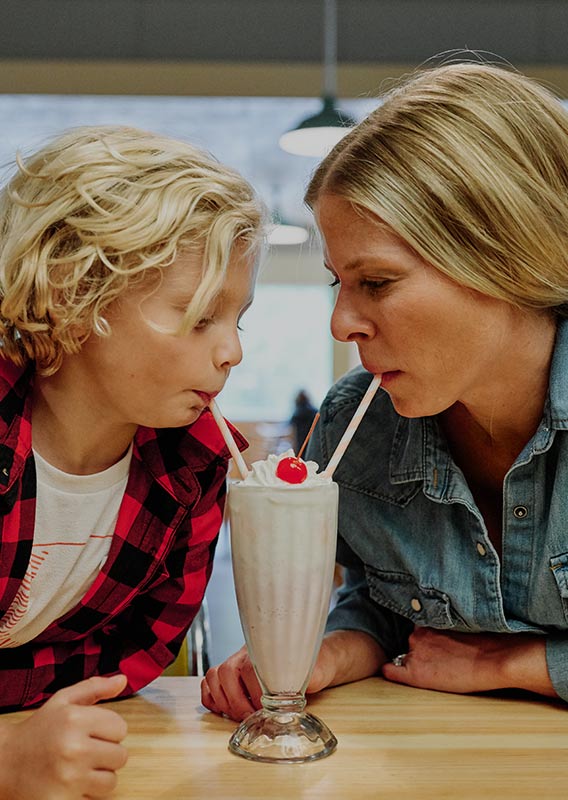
(287, 347)
(286, 336)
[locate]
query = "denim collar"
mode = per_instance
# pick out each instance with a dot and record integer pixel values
(420, 452)
(558, 387)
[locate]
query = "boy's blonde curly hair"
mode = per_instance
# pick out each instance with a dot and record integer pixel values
(98, 210)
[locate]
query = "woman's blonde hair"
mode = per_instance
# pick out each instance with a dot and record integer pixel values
(468, 163)
(95, 212)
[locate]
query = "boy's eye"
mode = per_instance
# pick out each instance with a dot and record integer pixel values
(335, 282)
(241, 315)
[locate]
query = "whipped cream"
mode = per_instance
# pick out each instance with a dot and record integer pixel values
(263, 473)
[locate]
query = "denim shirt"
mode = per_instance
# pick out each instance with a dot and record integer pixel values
(414, 543)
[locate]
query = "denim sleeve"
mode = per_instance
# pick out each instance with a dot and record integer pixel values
(356, 610)
(557, 662)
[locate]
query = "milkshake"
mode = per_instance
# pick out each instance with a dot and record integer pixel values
(283, 540)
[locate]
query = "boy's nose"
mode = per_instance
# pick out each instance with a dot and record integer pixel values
(229, 353)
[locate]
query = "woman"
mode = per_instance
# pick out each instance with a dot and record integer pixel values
(444, 219)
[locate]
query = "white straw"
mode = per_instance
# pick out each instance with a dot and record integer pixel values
(352, 427)
(229, 440)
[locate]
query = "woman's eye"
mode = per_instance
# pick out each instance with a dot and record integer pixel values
(373, 287)
(203, 323)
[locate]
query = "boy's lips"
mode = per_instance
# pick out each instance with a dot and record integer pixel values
(206, 396)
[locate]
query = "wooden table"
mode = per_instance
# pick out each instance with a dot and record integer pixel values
(394, 742)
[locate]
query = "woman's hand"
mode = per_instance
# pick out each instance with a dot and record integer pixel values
(469, 662)
(232, 688)
(67, 750)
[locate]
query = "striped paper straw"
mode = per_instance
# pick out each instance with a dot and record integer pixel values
(229, 440)
(352, 427)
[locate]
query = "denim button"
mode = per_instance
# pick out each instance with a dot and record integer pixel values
(520, 512)
(416, 604)
(481, 549)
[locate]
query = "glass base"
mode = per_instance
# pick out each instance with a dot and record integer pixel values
(282, 738)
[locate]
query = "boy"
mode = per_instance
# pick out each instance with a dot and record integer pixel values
(126, 262)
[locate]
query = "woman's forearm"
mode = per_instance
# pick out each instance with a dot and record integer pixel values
(524, 665)
(350, 656)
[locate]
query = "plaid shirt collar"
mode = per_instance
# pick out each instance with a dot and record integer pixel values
(171, 455)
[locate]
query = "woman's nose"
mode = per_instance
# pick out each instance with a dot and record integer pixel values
(348, 324)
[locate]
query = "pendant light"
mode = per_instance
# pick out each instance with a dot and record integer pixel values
(316, 135)
(283, 234)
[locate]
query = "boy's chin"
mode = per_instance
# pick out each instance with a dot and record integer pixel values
(187, 418)
(180, 420)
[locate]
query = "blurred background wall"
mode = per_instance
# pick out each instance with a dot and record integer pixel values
(261, 47)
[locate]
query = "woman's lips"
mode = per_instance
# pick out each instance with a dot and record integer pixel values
(386, 375)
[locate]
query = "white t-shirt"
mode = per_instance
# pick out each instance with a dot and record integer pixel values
(66, 555)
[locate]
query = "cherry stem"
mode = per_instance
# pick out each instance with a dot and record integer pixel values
(307, 439)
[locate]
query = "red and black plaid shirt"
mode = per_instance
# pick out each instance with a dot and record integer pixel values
(136, 614)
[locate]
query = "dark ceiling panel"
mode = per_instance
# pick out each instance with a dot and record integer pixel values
(225, 30)
(408, 31)
(553, 31)
(70, 29)
(414, 30)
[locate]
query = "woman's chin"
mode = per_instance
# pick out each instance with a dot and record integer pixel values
(412, 409)
(408, 406)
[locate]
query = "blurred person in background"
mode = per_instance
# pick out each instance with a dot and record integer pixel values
(302, 418)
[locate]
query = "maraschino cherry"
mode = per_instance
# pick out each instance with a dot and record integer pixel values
(291, 470)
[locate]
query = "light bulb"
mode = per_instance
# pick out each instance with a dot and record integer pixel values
(315, 142)
(286, 234)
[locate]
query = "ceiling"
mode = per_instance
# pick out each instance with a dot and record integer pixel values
(186, 49)
(408, 31)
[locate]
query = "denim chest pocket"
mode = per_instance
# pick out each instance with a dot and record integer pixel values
(559, 568)
(424, 605)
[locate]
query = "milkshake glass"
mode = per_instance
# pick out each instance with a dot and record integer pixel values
(283, 541)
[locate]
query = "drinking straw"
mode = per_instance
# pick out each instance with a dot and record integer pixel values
(352, 427)
(229, 440)
(307, 439)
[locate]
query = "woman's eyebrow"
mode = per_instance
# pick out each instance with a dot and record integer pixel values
(359, 263)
